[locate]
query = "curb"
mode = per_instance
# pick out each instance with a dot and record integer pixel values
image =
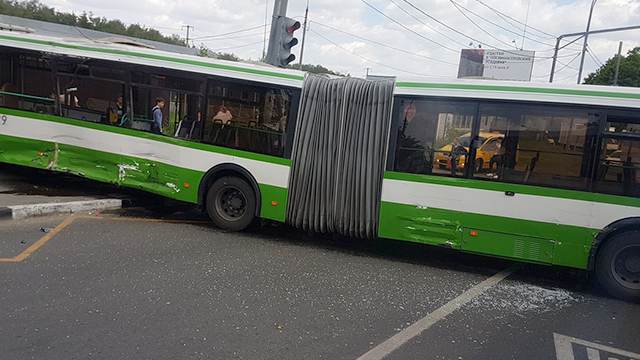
(27, 211)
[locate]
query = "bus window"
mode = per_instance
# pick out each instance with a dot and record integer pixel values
(26, 82)
(92, 91)
(618, 169)
(247, 117)
(433, 136)
(535, 145)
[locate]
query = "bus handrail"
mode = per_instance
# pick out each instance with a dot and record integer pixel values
(26, 96)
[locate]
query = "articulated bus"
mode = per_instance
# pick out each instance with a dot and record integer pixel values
(531, 172)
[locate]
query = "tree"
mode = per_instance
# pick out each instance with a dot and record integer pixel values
(33, 9)
(629, 71)
(316, 69)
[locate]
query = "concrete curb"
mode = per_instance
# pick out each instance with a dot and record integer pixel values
(26, 211)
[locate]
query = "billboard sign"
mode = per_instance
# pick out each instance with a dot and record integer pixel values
(496, 64)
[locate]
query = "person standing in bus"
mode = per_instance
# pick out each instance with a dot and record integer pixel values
(157, 115)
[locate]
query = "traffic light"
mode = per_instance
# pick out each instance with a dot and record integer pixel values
(280, 46)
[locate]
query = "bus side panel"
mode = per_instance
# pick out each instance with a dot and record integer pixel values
(26, 152)
(274, 202)
(417, 212)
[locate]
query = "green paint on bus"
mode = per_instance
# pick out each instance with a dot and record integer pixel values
(524, 240)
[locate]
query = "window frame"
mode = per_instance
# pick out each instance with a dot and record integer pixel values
(591, 151)
(395, 127)
(292, 115)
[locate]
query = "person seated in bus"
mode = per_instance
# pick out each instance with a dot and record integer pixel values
(157, 115)
(69, 98)
(223, 115)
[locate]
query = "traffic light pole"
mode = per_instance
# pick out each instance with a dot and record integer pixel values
(279, 9)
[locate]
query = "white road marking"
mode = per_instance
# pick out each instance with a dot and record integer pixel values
(415, 329)
(564, 349)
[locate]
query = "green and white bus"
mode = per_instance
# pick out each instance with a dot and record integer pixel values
(531, 172)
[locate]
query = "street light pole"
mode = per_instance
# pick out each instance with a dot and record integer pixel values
(586, 37)
(579, 36)
(617, 73)
(304, 33)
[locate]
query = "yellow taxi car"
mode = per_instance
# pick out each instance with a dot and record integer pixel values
(491, 143)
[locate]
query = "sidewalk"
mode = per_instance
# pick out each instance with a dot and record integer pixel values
(28, 192)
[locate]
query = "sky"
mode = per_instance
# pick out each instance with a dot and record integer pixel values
(392, 37)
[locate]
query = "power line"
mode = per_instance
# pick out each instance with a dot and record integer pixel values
(427, 25)
(502, 15)
(564, 66)
(362, 57)
(594, 56)
(456, 30)
(500, 26)
(478, 26)
(412, 53)
(229, 33)
(222, 38)
(238, 46)
(407, 28)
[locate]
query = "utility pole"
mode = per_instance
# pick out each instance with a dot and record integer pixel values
(618, 59)
(304, 33)
(266, 21)
(580, 35)
(279, 9)
(586, 37)
(188, 27)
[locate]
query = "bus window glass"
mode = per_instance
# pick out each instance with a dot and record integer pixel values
(247, 117)
(92, 99)
(618, 169)
(181, 113)
(433, 136)
(26, 82)
(535, 145)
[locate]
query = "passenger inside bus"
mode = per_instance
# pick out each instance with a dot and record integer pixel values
(116, 113)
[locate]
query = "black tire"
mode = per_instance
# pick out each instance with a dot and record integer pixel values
(618, 266)
(231, 203)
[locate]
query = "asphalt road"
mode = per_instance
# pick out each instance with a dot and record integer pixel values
(119, 287)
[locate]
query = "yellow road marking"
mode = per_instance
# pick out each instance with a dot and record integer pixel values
(69, 220)
(40, 243)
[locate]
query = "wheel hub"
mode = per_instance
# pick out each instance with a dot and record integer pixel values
(633, 264)
(231, 203)
(626, 267)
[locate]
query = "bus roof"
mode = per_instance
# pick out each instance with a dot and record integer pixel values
(476, 89)
(151, 57)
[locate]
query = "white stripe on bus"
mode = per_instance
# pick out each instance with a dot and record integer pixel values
(547, 209)
(194, 159)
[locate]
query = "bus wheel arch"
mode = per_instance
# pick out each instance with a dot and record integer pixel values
(609, 232)
(615, 259)
(224, 170)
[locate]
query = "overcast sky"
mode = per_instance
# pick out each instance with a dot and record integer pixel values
(417, 45)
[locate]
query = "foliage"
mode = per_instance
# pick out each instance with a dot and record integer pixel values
(629, 71)
(204, 51)
(315, 69)
(33, 9)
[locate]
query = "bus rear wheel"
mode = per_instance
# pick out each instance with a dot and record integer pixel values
(231, 203)
(618, 266)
